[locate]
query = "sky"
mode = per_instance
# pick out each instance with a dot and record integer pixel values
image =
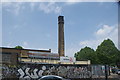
(34, 25)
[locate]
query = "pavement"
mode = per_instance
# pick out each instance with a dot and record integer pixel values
(110, 76)
(114, 76)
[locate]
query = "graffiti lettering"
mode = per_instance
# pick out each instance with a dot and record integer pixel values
(27, 71)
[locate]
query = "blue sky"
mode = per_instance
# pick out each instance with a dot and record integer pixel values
(35, 24)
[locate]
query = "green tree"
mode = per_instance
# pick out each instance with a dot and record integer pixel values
(86, 54)
(19, 47)
(107, 53)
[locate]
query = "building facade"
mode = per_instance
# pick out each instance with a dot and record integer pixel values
(14, 56)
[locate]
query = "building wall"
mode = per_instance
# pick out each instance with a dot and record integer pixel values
(14, 56)
(10, 56)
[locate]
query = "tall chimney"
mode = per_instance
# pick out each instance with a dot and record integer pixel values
(61, 35)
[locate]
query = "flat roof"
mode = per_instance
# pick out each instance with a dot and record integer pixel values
(26, 49)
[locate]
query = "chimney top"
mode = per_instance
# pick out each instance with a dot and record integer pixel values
(61, 19)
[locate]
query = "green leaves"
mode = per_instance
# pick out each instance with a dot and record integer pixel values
(86, 54)
(106, 53)
(19, 47)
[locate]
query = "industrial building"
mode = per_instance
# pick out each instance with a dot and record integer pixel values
(15, 56)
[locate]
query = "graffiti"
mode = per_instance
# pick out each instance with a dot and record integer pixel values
(9, 71)
(66, 72)
(27, 71)
(21, 73)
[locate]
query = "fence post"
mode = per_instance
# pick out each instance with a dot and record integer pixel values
(106, 73)
(90, 71)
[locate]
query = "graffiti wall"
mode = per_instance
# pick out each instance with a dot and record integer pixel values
(8, 71)
(37, 71)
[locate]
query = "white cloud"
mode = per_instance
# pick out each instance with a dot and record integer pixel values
(103, 33)
(50, 7)
(71, 50)
(32, 6)
(93, 43)
(9, 44)
(14, 8)
(119, 36)
(25, 44)
(18, 7)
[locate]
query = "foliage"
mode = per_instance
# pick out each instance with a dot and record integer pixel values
(106, 53)
(86, 54)
(19, 47)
